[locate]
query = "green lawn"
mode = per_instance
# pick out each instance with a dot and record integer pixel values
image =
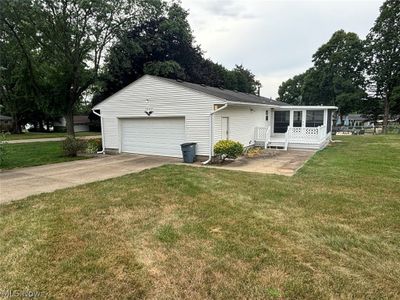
(34, 154)
(41, 135)
(331, 231)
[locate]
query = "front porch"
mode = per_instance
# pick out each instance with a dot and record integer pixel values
(296, 127)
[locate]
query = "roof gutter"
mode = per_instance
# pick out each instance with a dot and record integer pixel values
(102, 131)
(211, 126)
(237, 103)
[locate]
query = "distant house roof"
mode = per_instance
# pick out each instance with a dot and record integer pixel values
(225, 94)
(81, 120)
(357, 117)
(5, 118)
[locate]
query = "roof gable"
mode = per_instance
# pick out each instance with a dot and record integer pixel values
(220, 93)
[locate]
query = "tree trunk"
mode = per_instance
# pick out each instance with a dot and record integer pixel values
(385, 114)
(69, 118)
(16, 126)
(41, 127)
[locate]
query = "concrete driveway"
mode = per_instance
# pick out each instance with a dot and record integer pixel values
(20, 183)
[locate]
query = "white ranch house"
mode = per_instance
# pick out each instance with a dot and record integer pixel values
(154, 115)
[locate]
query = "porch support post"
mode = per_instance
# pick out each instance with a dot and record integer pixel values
(272, 121)
(269, 117)
(325, 118)
(303, 118)
(290, 118)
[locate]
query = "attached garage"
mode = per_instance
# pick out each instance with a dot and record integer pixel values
(155, 136)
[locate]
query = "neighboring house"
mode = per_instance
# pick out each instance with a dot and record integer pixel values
(359, 120)
(5, 123)
(81, 123)
(154, 115)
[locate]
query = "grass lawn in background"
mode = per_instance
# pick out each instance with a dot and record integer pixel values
(34, 154)
(331, 231)
(41, 135)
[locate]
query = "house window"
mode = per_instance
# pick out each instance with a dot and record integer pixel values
(281, 121)
(266, 115)
(315, 118)
(297, 116)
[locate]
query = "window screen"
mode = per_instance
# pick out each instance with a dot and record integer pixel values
(297, 115)
(281, 121)
(315, 118)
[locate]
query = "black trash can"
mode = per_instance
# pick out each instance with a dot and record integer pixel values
(188, 152)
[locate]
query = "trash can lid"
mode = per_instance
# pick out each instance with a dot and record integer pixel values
(188, 144)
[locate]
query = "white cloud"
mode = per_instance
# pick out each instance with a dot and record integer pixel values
(275, 39)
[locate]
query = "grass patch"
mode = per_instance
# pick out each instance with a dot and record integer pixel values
(167, 234)
(330, 231)
(34, 154)
(42, 135)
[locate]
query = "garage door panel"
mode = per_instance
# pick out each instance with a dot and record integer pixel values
(157, 136)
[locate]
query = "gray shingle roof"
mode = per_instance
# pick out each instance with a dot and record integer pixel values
(228, 95)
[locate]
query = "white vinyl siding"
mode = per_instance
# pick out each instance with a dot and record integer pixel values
(156, 136)
(110, 129)
(166, 100)
(242, 121)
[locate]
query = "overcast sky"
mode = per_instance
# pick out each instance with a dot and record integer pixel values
(275, 39)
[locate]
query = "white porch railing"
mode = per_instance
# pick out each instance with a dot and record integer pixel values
(262, 134)
(306, 134)
(300, 135)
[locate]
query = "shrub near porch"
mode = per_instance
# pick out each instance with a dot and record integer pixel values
(228, 148)
(331, 231)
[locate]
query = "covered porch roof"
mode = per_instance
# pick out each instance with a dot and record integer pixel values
(306, 107)
(281, 107)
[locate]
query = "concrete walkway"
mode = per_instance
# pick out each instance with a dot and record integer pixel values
(56, 139)
(281, 163)
(20, 183)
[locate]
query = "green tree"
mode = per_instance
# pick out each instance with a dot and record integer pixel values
(340, 64)
(394, 100)
(16, 90)
(291, 90)
(164, 45)
(245, 80)
(337, 77)
(383, 52)
(72, 36)
(169, 68)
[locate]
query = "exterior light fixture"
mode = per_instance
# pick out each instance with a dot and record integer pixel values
(148, 110)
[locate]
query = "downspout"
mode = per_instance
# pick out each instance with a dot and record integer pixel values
(102, 131)
(211, 126)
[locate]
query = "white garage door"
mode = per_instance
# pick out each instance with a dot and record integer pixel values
(155, 136)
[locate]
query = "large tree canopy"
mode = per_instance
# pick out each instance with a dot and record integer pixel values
(63, 42)
(335, 79)
(383, 52)
(164, 45)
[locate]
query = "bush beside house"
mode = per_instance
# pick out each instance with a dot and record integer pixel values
(228, 149)
(72, 146)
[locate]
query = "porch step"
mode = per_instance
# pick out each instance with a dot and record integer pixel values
(276, 145)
